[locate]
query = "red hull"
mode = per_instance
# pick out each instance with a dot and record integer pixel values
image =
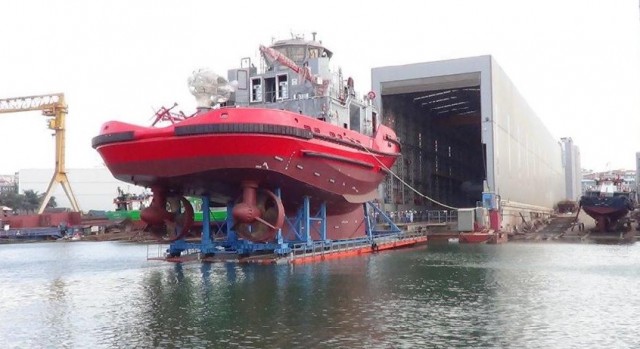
(216, 151)
(474, 238)
(606, 217)
(613, 213)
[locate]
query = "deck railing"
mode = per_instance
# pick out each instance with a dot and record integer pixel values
(302, 250)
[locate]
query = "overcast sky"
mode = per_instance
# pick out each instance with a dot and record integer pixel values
(577, 63)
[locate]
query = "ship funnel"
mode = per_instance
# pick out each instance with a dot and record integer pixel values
(209, 88)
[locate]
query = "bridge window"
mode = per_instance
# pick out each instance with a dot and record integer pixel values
(374, 121)
(256, 90)
(297, 53)
(270, 90)
(282, 87)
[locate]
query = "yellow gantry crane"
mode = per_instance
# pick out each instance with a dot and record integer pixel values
(55, 109)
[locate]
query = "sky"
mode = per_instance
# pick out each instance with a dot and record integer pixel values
(576, 62)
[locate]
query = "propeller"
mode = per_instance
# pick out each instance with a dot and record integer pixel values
(183, 214)
(257, 214)
(168, 218)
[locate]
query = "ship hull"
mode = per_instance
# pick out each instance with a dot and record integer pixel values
(225, 165)
(606, 211)
(215, 152)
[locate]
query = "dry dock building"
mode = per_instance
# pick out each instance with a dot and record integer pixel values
(465, 130)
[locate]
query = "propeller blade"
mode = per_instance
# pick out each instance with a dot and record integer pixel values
(261, 200)
(271, 214)
(259, 219)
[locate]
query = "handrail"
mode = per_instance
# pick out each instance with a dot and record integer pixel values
(302, 250)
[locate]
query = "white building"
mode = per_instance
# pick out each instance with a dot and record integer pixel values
(7, 183)
(572, 169)
(638, 173)
(94, 188)
(465, 130)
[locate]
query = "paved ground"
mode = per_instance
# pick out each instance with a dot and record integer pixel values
(566, 228)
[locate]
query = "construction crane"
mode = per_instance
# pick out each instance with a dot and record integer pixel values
(55, 109)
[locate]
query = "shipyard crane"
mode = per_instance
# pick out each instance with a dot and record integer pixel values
(54, 108)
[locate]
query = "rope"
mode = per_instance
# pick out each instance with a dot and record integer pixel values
(402, 181)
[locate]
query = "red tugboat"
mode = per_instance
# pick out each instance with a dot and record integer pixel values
(263, 142)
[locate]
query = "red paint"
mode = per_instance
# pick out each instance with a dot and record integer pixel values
(474, 238)
(338, 166)
(42, 220)
(495, 221)
(358, 251)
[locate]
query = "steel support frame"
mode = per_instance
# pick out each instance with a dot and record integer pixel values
(371, 232)
(301, 225)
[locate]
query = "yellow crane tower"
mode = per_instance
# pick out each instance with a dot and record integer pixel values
(55, 109)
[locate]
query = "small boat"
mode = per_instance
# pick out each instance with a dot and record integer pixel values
(608, 203)
(475, 237)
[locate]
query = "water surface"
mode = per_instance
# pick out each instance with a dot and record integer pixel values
(107, 295)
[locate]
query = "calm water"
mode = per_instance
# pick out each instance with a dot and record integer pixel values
(106, 295)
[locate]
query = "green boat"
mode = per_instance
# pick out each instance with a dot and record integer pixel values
(216, 214)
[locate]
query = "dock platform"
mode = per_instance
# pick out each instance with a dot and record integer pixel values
(51, 233)
(302, 253)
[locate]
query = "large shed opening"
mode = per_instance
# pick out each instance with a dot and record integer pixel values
(442, 152)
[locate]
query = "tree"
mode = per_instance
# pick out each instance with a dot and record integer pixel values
(12, 199)
(52, 201)
(31, 200)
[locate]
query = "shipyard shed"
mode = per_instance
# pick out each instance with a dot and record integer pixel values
(94, 188)
(465, 129)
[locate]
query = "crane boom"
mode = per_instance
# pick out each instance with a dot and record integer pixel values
(40, 102)
(318, 82)
(53, 107)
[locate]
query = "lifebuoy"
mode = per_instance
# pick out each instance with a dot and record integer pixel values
(371, 95)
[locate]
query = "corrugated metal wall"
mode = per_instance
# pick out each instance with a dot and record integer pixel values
(527, 158)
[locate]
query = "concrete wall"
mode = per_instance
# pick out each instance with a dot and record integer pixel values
(94, 188)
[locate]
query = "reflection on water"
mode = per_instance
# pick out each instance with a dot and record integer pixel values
(514, 295)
